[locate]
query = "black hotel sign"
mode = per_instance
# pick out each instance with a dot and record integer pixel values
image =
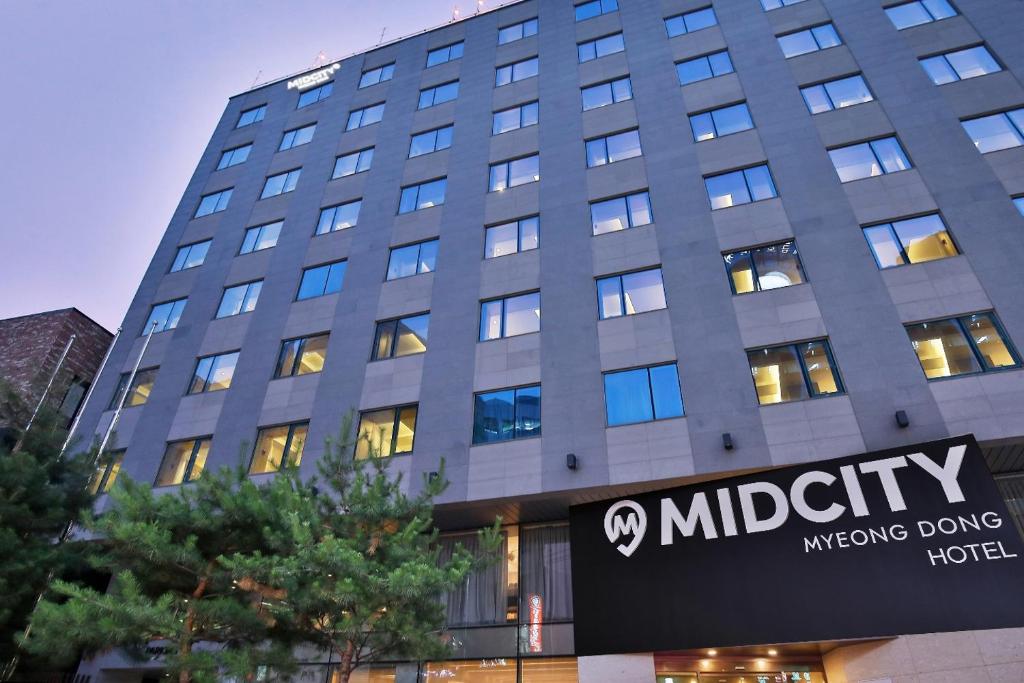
(915, 539)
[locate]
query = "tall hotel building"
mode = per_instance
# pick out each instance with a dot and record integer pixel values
(588, 252)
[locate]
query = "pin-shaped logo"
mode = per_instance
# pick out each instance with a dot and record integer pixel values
(632, 522)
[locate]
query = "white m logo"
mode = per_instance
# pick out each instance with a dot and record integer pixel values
(635, 523)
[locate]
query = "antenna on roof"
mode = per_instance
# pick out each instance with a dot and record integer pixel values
(455, 13)
(479, 6)
(255, 80)
(321, 57)
(382, 32)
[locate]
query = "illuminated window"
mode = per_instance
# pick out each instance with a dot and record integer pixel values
(794, 372)
(621, 213)
(139, 391)
(601, 47)
(302, 356)
(213, 373)
(164, 316)
(430, 141)
(352, 163)
(642, 395)
(367, 673)
(960, 65)
(837, 94)
(630, 293)
(183, 462)
(278, 447)
(322, 280)
(513, 32)
(514, 172)
(439, 94)
(919, 12)
(107, 469)
(315, 95)
(704, 67)
(338, 217)
(190, 256)
(297, 137)
(960, 346)
(517, 71)
(261, 237)
(506, 414)
(595, 8)
(233, 157)
(607, 150)
(422, 196)
(239, 299)
(213, 203)
(412, 259)
(358, 118)
(768, 267)
(914, 240)
(281, 183)
(401, 337)
(510, 317)
(690, 22)
(377, 75)
(512, 238)
(445, 54)
(386, 432)
(740, 187)
(722, 121)
(251, 116)
(869, 159)
(515, 118)
(996, 132)
(603, 94)
(809, 40)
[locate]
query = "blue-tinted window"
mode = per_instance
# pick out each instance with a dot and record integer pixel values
(281, 183)
(446, 92)
(377, 75)
(510, 317)
(261, 237)
(239, 299)
(842, 92)
(517, 71)
(630, 293)
(315, 95)
(518, 31)
(718, 122)
(512, 238)
(296, 137)
(702, 68)
(601, 47)
(919, 12)
(621, 213)
(233, 157)
(412, 259)
(430, 141)
(251, 116)
(213, 373)
(603, 94)
(642, 395)
(422, 196)
(740, 187)
(357, 118)
(867, 159)
(506, 414)
(1019, 203)
(513, 173)
(164, 316)
(514, 118)
(595, 8)
(338, 217)
(809, 40)
(445, 54)
(996, 132)
(321, 280)
(213, 203)
(190, 256)
(776, 4)
(960, 65)
(690, 22)
(352, 163)
(612, 148)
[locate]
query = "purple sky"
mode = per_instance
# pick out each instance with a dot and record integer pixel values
(107, 108)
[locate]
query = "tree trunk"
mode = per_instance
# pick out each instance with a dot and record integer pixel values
(345, 668)
(185, 646)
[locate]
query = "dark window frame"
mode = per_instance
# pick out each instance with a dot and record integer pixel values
(206, 379)
(622, 291)
(753, 267)
(286, 451)
(394, 337)
(294, 133)
(515, 391)
(397, 413)
(259, 234)
(650, 394)
(504, 315)
(958, 320)
(808, 385)
(186, 475)
(328, 265)
(257, 117)
(292, 372)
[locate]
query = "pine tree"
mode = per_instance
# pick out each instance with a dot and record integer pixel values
(357, 571)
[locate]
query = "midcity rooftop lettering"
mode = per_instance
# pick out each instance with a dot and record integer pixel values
(316, 78)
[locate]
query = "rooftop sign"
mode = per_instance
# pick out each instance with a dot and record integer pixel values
(315, 78)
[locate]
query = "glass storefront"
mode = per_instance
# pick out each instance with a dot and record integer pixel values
(738, 669)
(502, 670)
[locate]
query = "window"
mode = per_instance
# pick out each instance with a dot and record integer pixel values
(281, 183)
(352, 163)
(690, 22)
(996, 132)
(446, 92)
(517, 71)
(511, 238)
(718, 122)
(357, 118)
(213, 373)
(315, 95)
(430, 141)
(769, 267)
(613, 148)
(843, 92)
(233, 157)
(960, 65)
(595, 8)
(868, 159)
(445, 54)
(296, 137)
(321, 280)
(401, 337)
(261, 237)
(422, 196)
(913, 240)
(776, 4)
(106, 472)
(278, 447)
(960, 346)
(412, 259)
(601, 47)
(213, 203)
(387, 432)
(809, 40)
(621, 213)
(301, 356)
(794, 372)
(164, 316)
(512, 173)
(338, 217)
(190, 256)
(642, 395)
(378, 75)
(1019, 203)
(506, 414)
(510, 317)
(603, 94)
(703, 68)
(251, 116)
(239, 299)
(183, 462)
(516, 117)
(740, 187)
(523, 29)
(630, 293)
(138, 393)
(919, 12)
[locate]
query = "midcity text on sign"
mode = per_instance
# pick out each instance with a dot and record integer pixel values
(314, 78)
(910, 540)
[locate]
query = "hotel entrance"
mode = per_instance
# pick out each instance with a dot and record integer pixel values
(793, 664)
